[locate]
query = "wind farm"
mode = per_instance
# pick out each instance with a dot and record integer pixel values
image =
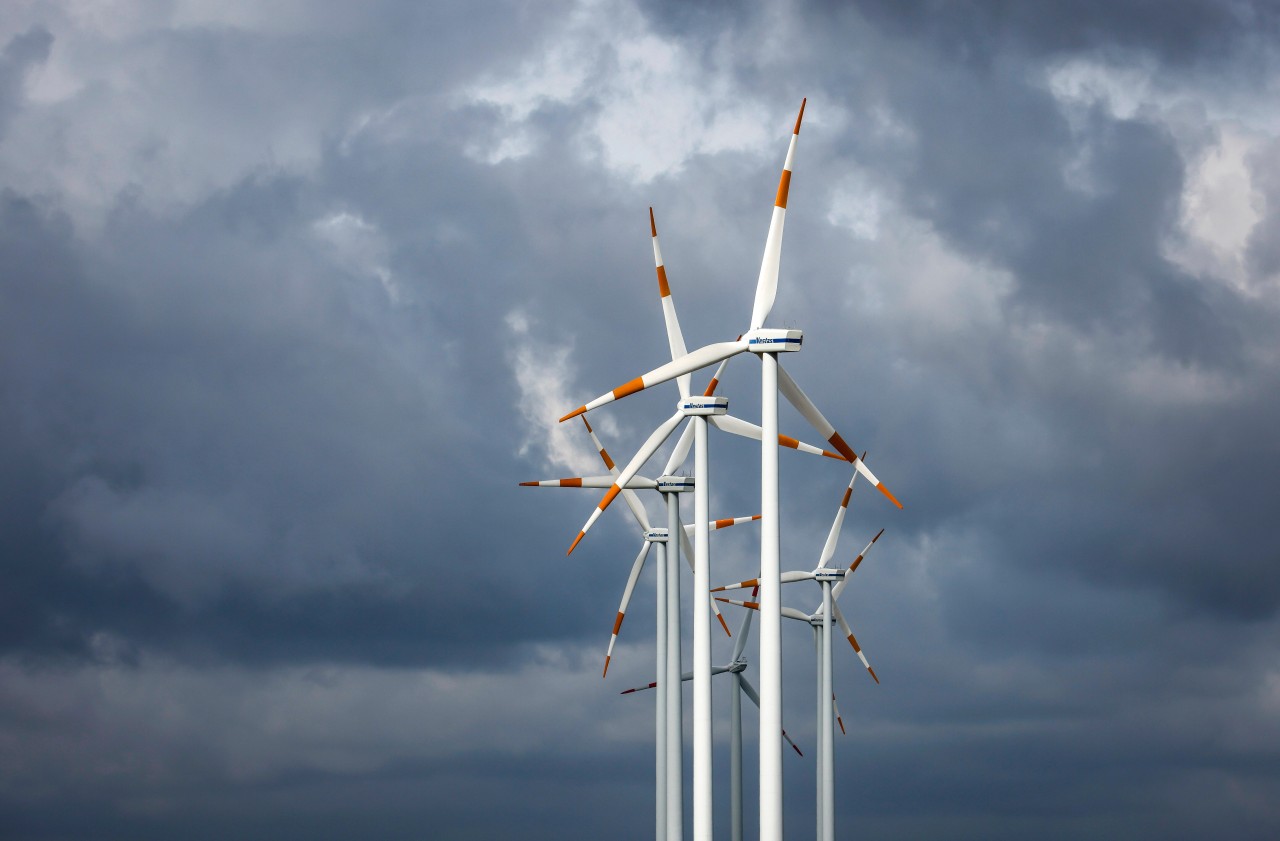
(698, 413)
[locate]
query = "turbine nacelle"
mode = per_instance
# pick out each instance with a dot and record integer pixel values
(701, 405)
(826, 574)
(772, 340)
(675, 484)
(657, 535)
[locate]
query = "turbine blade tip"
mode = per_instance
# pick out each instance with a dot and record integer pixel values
(576, 541)
(880, 487)
(755, 516)
(653, 226)
(835, 456)
(578, 411)
(724, 625)
(606, 666)
(587, 422)
(528, 484)
(796, 749)
(800, 116)
(873, 675)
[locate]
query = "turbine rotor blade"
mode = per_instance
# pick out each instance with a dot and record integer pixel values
(754, 697)
(675, 338)
(833, 536)
(686, 549)
(796, 397)
(700, 358)
(840, 585)
(746, 429)
(839, 720)
(839, 617)
(767, 283)
(637, 461)
(724, 523)
(628, 495)
(681, 451)
(636, 567)
(590, 482)
(715, 380)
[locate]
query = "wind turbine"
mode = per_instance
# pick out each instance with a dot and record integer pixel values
(820, 620)
(766, 343)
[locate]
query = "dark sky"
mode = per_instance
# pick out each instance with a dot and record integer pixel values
(292, 294)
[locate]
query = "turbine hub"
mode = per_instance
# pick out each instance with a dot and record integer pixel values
(828, 574)
(772, 340)
(656, 535)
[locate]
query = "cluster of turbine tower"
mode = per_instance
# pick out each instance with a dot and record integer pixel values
(698, 412)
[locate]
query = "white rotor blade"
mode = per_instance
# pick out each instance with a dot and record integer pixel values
(590, 482)
(840, 585)
(767, 284)
(789, 612)
(675, 339)
(715, 670)
(746, 429)
(833, 536)
(755, 699)
(680, 453)
(629, 496)
(796, 397)
(724, 523)
(637, 461)
(715, 379)
(700, 358)
(839, 617)
(744, 631)
(636, 567)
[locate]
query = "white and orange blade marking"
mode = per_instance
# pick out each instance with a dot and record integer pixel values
(590, 482)
(840, 585)
(650, 447)
(839, 720)
(787, 578)
(789, 612)
(746, 429)
(686, 549)
(636, 567)
(724, 524)
(653, 685)
(767, 284)
(675, 339)
(715, 380)
(805, 406)
(755, 699)
(700, 358)
(628, 495)
(833, 536)
(844, 626)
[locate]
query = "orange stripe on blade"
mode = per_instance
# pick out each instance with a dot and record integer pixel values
(882, 489)
(587, 422)
(528, 484)
(848, 492)
(800, 116)
(604, 454)
(725, 523)
(574, 413)
(788, 441)
(844, 449)
(576, 541)
(784, 186)
(835, 456)
(606, 666)
(873, 674)
(617, 623)
(575, 482)
(653, 226)
(609, 496)
(723, 625)
(711, 387)
(663, 289)
(628, 388)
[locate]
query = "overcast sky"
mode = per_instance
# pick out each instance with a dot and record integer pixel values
(292, 295)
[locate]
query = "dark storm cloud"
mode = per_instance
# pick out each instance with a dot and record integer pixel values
(262, 417)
